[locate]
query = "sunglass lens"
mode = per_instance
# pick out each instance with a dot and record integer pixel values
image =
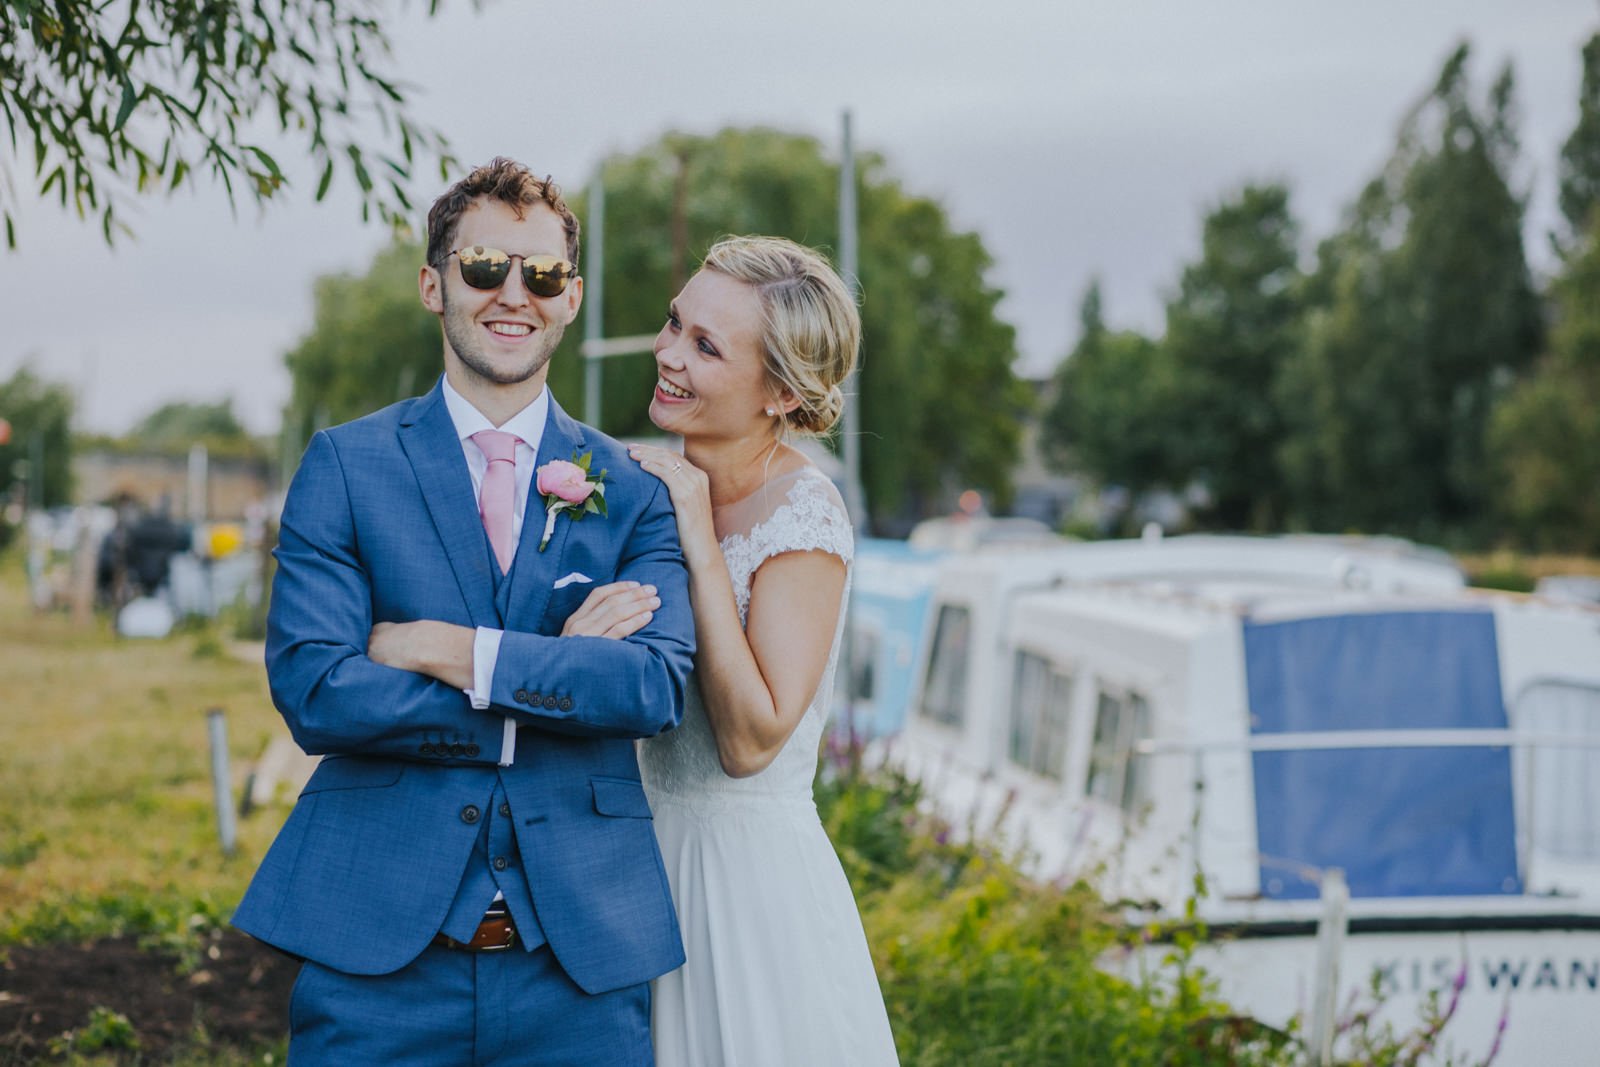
(546, 275)
(483, 268)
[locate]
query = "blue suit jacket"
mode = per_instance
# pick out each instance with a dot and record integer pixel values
(381, 525)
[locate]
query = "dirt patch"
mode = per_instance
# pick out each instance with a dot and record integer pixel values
(238, 993)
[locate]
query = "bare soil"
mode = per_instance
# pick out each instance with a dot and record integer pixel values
(238, 995)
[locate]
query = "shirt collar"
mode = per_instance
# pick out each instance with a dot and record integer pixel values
(527, 424)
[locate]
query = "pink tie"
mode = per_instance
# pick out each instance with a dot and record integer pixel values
(498, 498)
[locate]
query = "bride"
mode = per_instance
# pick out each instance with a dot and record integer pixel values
(753, 351)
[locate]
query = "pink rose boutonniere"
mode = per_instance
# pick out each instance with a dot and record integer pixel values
(567, 486)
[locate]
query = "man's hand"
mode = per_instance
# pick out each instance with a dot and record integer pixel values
(437, 649)
(616, 611)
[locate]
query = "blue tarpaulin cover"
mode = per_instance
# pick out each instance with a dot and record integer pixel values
(1400, 822)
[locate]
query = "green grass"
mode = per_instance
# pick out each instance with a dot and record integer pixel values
(107, 825)
(106, 817)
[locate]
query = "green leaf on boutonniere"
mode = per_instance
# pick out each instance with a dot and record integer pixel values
(593, 504)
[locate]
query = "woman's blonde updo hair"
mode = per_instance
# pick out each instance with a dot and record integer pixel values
(810, 328)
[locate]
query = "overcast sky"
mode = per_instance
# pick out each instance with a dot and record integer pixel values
(1077, 138)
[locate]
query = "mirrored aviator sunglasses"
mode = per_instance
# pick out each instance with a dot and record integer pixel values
(487, 268)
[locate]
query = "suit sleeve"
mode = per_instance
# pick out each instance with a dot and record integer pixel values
(334, 698)
(595, 686)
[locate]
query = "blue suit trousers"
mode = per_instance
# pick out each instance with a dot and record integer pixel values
(451, 1008)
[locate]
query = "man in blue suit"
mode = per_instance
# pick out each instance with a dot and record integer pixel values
(471, 874)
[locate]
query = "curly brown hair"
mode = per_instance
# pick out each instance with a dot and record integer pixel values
(500, 179)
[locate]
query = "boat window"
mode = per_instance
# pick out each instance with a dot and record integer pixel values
(1563, 780)
(1053, 726)
(865, 647)
(1105, 770)
(944, 687)
(1116, 776)
(1040, 698)
(1136, 728)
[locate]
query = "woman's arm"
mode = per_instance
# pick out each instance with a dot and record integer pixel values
(757, 680)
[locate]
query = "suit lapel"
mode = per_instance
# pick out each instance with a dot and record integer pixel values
(527, 588)
(429, 438)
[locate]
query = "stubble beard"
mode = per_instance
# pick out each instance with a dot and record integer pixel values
(460, 332)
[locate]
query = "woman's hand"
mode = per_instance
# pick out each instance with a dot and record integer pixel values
(691, 499)
(615, 611)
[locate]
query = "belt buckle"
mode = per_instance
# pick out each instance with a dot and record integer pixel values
(511, 940)
(497, 915)
(498, 910)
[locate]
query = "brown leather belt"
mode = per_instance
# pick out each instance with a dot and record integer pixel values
(494, 934)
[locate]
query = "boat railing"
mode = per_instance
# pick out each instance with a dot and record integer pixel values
(1524, 744)
(1329, 740)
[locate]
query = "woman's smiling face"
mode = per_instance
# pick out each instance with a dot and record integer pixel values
(712, 377)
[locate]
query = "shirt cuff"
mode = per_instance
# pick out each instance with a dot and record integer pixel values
(485, 653)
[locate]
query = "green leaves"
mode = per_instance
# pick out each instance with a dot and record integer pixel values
(982, 967)
(1358, 396)
(40, 414)
(1423, 309)
(935, 352)
(371, 342)
(122, 100)
(129, 98)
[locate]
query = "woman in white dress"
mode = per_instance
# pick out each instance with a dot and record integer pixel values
(755, 348)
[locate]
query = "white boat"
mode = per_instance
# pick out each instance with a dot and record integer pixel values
(1290, 719)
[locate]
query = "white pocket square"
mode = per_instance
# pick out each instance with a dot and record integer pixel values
(562, 583)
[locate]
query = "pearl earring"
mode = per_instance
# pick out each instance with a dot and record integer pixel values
(771, 411)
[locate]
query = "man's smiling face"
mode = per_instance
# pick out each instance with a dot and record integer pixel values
(503, 336)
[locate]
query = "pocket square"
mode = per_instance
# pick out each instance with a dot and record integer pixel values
(562, 583)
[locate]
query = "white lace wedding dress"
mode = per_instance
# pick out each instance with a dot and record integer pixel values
(778, 971)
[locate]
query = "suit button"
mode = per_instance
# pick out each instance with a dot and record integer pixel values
(505, 811)
(550, 703)
(472, 750)
(520, 696)
(457, 749)
(566, 703)
(500, 863)
(470, 813)
(426, 749)
(534, 699)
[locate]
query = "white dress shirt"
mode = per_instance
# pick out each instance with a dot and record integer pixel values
(528, 425)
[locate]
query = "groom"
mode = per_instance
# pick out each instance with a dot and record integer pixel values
(471, 874)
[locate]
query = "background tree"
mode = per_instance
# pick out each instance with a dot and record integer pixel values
(939, 402)
(371, 343)
(1424, 313)
(1579, 169)
(1113, 407)
(112, 100)
(40, 415)
(1545, 436)
(181, 421)
(1231, 329)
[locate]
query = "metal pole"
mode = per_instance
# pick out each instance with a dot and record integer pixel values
(36, 470)
(851, 436)
(199, 477)
(854, 498)
(593, 288)
(221, 781)
(1330, 944)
